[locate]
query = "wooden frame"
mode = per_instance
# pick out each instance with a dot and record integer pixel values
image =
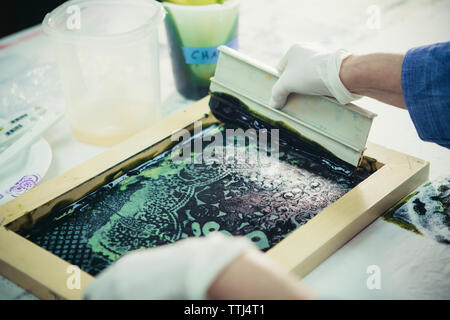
(45, 274)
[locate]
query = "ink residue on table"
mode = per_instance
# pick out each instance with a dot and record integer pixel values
(426, 211)
(251, 193)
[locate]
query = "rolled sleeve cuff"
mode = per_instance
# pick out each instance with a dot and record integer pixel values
(426, 91)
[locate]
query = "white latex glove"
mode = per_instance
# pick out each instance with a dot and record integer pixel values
(182, 270)
(307, 70)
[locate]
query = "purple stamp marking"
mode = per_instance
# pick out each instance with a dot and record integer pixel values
(23, 185)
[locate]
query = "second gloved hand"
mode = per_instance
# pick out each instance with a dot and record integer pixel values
(307, 70)
(182, 270)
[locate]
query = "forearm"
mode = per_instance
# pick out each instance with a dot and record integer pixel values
(375, 75)
(254, 276)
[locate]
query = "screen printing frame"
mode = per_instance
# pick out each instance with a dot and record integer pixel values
(46, 275)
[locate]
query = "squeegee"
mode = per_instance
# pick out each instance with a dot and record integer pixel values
(241, 82)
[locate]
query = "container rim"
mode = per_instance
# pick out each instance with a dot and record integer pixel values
(204, 7)
(136, 33)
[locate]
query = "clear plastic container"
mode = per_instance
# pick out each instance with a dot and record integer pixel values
(108, 58)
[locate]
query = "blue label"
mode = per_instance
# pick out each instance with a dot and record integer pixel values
(208, 55)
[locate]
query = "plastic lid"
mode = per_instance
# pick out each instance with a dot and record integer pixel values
(103, 20)
(196, 2)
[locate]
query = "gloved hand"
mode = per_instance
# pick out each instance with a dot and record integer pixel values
(182, 270)
(307, 70)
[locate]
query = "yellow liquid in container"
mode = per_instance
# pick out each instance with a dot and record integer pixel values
(107, 123)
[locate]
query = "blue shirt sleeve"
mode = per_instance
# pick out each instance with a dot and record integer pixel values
(426, 90)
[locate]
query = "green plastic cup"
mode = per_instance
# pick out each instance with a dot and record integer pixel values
(195, 31)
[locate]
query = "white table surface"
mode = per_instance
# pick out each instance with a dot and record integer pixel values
(411, 266)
